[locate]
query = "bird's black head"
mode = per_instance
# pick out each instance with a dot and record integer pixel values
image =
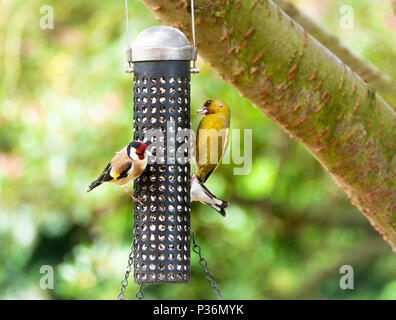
(136, 150)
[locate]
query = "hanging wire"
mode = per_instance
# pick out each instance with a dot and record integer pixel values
(127, 24)
(128, 51)
(204, 264)
(194, 57)
(193, 22)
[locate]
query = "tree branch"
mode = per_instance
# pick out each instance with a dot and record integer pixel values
(318, 100)
(385, 85)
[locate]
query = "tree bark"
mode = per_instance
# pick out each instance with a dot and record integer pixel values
(385, 85)
(297, 82)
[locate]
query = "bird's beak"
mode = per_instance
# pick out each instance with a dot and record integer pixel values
(203, 110)
(148, 153)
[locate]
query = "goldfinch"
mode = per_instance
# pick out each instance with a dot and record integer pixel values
(214, 126)
(200, 193)
(127, 165)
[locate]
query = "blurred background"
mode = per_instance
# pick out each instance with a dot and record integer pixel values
(66, 107)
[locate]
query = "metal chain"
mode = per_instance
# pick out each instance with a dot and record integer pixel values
(139, 293)
(202, 261)
(204, 264)
(128, 270)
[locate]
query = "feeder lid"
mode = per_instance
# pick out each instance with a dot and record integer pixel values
(162, 43)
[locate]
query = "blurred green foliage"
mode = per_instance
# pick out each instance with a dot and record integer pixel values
(66, 107)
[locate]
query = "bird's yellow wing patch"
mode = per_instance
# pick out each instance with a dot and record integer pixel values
(212, 142)
(225, 145)
(115, 176)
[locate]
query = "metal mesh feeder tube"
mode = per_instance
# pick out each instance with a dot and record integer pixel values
(161, 57)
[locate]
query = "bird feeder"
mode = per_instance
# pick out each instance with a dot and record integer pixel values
(161, 58)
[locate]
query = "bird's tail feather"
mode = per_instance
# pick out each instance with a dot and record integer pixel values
(94, 184)
(220, 208)
(219, 204)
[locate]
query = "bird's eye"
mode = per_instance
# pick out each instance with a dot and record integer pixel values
(207, 103)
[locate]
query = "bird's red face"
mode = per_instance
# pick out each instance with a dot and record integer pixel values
(136, 150)
(140, 151)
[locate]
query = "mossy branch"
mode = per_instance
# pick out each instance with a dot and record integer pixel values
(313, 95)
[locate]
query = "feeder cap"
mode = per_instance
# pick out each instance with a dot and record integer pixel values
(161, 43)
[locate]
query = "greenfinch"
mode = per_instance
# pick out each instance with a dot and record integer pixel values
(213, 136)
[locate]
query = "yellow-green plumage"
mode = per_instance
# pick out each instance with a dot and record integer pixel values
(215, 126)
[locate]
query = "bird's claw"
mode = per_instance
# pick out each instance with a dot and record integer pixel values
(192, 177)
(138, 200)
